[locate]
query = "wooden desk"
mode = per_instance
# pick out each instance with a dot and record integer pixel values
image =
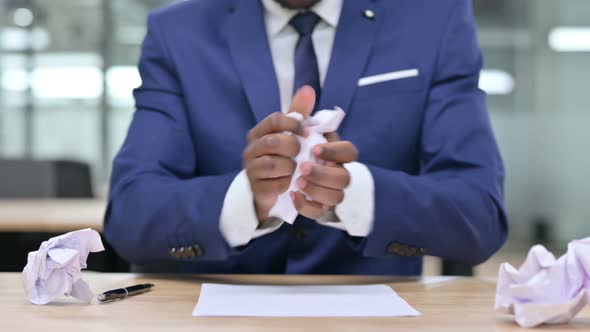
(458, 304)
(52, 215)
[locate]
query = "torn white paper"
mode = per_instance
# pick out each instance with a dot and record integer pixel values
(543, 289)
(301, 301)
(54, 269)
(322, 122)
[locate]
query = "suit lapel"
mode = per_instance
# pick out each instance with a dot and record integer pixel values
(250, 51)
(352, 45)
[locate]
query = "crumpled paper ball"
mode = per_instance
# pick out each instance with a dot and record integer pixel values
(545, 290)
(321, 123)
(55, 269)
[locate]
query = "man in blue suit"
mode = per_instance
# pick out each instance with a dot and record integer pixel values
(414, 168)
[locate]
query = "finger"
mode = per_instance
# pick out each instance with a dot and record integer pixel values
(271, 187)
(323, 195)
(339, 152)
(332, 137)
(312, 210)
(275, 123)
(303, 101)
(273, 144)
(270, 167)
(329, 176)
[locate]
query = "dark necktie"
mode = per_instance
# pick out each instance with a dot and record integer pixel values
(306, 63)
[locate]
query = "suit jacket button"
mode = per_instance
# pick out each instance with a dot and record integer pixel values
(393, 248)
(178, 254)
(190, 252)
(197, 250)
(408, 251)
(182, 253)
(411, 251)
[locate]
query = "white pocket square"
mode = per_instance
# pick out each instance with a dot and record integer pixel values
(394, 75)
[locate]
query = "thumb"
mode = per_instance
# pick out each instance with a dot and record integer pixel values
(303, 101)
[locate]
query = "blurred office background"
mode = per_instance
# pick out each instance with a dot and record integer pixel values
(67, 70)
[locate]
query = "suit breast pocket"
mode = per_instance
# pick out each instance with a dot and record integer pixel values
(382, 85)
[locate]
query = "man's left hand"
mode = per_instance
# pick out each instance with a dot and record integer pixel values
(324, 184)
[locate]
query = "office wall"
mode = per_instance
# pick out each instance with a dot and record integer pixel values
(547, 171)
(545, 136)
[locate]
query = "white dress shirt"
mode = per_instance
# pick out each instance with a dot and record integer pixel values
(238, 222)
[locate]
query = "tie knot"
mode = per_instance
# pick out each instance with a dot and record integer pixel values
(305, 22)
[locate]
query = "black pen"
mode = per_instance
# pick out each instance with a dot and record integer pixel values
(121, 293)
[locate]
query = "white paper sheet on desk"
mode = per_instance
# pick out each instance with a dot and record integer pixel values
(301, 301)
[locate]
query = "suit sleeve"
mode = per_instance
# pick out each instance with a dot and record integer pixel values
(159, 208)
(454, 207)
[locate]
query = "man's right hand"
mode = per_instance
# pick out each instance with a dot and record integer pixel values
(268, 158)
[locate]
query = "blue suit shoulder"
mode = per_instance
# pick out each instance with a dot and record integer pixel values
(189, 11)
(439, 7)
(435, 13)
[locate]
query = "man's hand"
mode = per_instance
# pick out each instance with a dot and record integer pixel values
(268, 158)
(324, 184)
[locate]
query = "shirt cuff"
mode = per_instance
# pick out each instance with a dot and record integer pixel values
(355, 213)
(238, 222)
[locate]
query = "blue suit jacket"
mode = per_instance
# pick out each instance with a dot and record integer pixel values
(208, 78)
